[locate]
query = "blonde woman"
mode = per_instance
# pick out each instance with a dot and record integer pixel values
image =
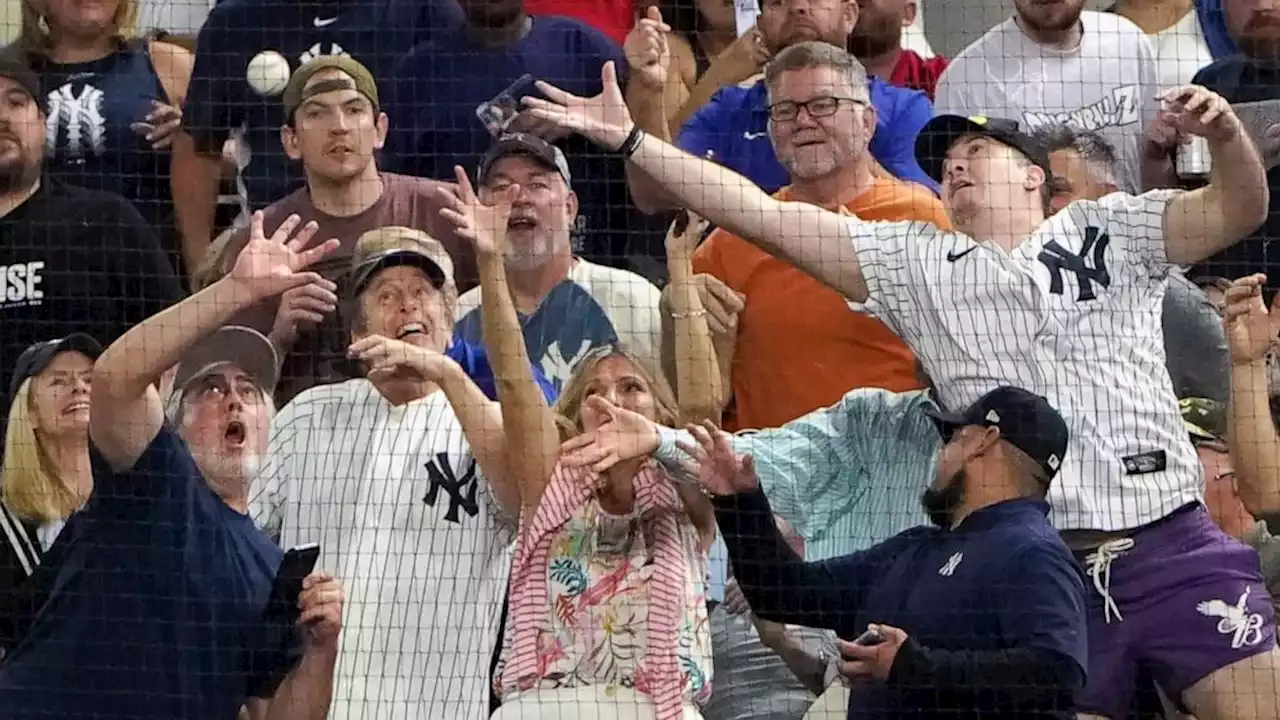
(114, 101)
(608, 614)
(46, 474)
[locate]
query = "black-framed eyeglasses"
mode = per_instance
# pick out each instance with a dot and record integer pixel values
(826, 106)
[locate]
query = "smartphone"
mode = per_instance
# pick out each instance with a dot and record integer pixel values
(298, 563)
(869, 638)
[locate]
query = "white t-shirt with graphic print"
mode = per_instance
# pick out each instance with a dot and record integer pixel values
(1108, 84)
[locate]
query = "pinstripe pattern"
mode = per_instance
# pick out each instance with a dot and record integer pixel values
(568, 491)
(424, 592)
(991, 319)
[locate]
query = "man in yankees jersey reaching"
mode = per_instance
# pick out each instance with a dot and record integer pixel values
(396, 476)
(1067, 306)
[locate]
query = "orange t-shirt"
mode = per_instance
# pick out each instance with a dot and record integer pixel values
(800, 347)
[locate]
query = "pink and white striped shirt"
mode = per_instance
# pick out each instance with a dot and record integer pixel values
(598, 599)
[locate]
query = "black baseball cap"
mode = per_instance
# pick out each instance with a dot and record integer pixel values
(14, 65)
(36, 358)
(525, 144)
(1025, 420)
(940, 133)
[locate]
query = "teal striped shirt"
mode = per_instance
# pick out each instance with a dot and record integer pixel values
(846, 476)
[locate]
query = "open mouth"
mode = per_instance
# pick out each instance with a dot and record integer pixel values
(235, 433)
(411, 329)
(959, 185)
(521, 223)
(76, 407)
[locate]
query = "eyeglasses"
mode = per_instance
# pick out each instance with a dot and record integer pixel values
(786, 111)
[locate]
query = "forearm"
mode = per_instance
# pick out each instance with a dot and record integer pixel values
(647, 107)
(698, 381)
(777, 583)
(194, 182)
(704, 89)
(1019, 675)
(809, 667)
(1254, 445)
(1238, 182)
(481, 421)
(138, 359)
(308, 691)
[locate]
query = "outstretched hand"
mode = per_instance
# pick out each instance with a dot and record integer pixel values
(624, 435)
(1250, 332)
(720, 471)
(267, 267)
(603, 119)
(484, 226)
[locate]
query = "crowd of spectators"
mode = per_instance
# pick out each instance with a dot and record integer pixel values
(679, 359)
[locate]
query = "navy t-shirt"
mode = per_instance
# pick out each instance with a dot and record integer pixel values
(156, 608)
(431, 105)
(1241, 79)
(375, 32)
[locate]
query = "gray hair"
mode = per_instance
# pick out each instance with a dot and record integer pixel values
(1098, 154)
(817, 54)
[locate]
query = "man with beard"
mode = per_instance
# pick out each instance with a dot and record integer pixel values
(982, 615)
(732, 128)
(158, 589)
(438, 88)
(877, 42)
(1054, 63)
(71, 260)
(1252, 76)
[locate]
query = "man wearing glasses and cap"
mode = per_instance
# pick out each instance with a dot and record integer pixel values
(399, 475)
(157, 607)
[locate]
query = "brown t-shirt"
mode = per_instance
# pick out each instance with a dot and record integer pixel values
(319, 354)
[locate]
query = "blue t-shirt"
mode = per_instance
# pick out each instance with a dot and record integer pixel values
(220, 99)
(735, 126)
(475, 363)
(156, 608)
(431, 106)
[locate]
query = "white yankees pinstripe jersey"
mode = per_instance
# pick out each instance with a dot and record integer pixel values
(1072, 314)
(405, 520)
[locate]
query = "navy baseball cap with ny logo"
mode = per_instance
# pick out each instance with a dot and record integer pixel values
(1025, 420)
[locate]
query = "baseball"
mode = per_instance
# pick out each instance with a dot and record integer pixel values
(268, 73)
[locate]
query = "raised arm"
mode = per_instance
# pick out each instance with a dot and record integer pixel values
(815, 240)
(531, 436)
(128, 410)
(1252, 433)
(698, 377)
(1206, 221)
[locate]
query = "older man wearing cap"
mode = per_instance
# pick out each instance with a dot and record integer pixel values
(157, 607)
(71, 260)
(400, 476)
(1068, 306)
(333, 126)
(937, 637)
(568, 306)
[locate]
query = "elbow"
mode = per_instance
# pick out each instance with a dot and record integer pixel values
(645, 194)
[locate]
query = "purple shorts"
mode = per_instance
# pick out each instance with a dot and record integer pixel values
(1189, 599)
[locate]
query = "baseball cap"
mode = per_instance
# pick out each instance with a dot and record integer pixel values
(1204, 419)
(13, 65)
(1025, 420)
(358, 78)
(243, 347)
(940, 133)
(390, 246)
(525, 144)
(36, 358)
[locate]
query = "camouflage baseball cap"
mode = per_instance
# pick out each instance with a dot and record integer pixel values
(1204, 419)
(390, 246)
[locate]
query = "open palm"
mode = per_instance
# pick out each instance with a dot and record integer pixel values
(484, 226)
(269, 266)
(719, 469)
(603, 119)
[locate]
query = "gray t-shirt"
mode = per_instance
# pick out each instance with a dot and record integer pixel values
(1268, 547)
(1107, 84)
(752, 682)
(1195, 343)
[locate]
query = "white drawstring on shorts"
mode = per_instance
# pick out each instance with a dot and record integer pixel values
(1098, 564)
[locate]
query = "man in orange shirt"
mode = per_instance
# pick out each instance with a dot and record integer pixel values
(796, 346)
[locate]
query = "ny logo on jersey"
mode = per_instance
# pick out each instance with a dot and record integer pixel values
(1057, 259)
(461, 490)
(79, 117)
